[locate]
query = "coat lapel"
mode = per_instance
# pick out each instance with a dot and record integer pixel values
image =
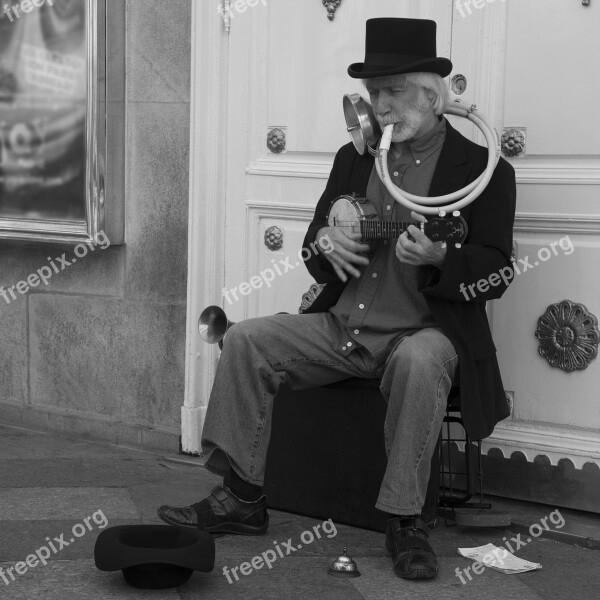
(452, 168)
(360, 174)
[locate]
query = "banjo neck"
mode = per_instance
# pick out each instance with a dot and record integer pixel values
(383, 230)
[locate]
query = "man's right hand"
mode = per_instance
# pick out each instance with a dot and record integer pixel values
(343, 249)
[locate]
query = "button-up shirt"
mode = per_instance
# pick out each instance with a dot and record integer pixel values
(383, 304)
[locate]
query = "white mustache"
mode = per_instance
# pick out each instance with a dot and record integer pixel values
(383, 121)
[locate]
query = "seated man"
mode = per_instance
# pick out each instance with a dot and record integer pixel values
(400, 316)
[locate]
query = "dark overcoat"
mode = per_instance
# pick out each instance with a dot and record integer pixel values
(486, 250)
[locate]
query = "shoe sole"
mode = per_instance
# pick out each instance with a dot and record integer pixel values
(222, 528)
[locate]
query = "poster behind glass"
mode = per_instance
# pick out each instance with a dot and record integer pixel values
(43, 71)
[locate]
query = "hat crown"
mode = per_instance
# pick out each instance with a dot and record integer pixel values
(411, 37)
(398, 45)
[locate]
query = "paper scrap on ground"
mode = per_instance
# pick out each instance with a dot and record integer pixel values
(499, 558)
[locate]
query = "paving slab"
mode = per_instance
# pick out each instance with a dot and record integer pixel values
(288, 579)
(19, 539)
(79, 580)
(9, 431)
(567, 571)
(37, 503)
(379, 582)
(43, 446)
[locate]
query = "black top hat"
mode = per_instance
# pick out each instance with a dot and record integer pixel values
(154, 556)
(396, 46)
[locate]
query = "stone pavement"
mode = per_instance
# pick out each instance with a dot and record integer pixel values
(52, 486)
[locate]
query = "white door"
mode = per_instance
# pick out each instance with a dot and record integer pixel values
(532, 65)
(280, 75)
(287, 76)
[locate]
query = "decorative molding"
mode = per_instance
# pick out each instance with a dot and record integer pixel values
(553, 170)
(276, 140)
(557, 223)
(550, 171)
(331, 6)
(274, 238)
(206, 220)
(580, 446)
(293, 164)
(568, 335)
(310, 296)
(513, 141)
(304, 212)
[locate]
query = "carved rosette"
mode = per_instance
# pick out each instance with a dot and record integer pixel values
(274, 238)
(276, 141)
(513, 142)
(309, 297)
(568, 335)
(331, 6)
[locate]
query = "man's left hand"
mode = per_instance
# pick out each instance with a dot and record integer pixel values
(421, 251)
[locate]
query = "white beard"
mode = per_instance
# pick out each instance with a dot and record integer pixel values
(405, 126)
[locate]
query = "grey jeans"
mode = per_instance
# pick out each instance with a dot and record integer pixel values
(260, 354)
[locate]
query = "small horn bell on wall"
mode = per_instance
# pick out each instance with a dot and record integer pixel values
(213, 325)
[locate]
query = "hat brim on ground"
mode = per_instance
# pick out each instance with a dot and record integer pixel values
(154, 556)
(441, 66)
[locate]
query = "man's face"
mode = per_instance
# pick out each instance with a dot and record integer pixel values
(396, 100)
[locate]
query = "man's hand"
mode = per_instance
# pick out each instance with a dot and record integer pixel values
(422, 251)
(342, 253)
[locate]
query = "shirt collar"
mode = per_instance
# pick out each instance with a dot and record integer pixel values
(423, 147)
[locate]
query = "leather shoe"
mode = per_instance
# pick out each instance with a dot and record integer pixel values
(407, 541)
(221, 512)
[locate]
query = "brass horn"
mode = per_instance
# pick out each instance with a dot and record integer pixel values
(213, 325)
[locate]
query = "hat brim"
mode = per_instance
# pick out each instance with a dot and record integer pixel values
(126, 546)
(441, 66)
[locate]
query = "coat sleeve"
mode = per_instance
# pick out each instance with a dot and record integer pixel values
(317, 264)
(484, 261)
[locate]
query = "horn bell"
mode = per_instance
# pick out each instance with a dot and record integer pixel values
(213, 325)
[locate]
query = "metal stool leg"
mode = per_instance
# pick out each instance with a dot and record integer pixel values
(469, 513)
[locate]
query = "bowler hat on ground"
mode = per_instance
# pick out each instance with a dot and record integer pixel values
(154, 556)
(396, 46)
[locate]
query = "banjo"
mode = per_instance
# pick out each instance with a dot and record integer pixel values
(360, 215)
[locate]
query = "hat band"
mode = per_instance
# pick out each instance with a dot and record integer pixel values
(393, 60)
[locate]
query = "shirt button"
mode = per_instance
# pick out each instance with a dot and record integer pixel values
(396, 173)
(343, 347)
(388, 207)
(361, 306)
(374, 275)
(418, 162)
(356, 331)
(349, 344)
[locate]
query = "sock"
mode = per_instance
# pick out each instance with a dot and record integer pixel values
(242, 489)
(393, 516)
